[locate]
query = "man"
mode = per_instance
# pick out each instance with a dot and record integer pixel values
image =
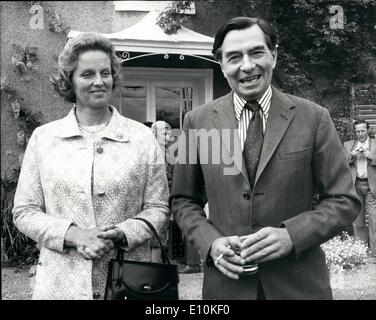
(361, 156)
(262, 216)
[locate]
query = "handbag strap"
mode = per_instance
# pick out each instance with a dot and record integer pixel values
(165, 259)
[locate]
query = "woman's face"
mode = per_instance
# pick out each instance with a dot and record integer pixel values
(92, 79)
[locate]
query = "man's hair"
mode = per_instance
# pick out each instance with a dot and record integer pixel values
(68, 60)
(240, 23)
(360, 121)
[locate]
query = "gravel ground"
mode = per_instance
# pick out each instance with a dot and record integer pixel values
(357, 284)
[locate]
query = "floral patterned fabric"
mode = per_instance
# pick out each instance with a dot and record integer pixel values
(56, 190)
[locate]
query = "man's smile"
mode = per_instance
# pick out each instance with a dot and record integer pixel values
(250, 79)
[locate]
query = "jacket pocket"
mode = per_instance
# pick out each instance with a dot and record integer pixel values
(298, 154)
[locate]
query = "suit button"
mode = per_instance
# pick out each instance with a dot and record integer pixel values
(246, 196)
(96, 295)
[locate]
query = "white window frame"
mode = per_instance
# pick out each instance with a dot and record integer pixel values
(171, 83)
(146, 6)
(202, 77)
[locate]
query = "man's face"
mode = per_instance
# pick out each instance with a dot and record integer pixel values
(247, 63)
(361, 132)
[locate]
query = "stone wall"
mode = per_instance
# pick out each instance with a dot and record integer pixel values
(34, 87)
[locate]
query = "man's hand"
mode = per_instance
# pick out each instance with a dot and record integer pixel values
(225, 259)
(368, 154)
(266, 244)
(354, 153)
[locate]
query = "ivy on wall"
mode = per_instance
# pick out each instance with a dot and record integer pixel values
(16, 247)
(171, 19)
(55, 23)
(41, 14)
(23, 60)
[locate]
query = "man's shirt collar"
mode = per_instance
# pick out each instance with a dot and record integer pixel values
(264, 101)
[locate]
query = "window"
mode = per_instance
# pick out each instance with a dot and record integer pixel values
(172, 102)
(150, 94)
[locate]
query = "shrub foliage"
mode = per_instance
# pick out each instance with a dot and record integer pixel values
(344, 252)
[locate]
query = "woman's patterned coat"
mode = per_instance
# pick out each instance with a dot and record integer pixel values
(55, 190)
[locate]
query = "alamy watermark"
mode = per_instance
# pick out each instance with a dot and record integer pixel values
(206, 147)
(337, 20)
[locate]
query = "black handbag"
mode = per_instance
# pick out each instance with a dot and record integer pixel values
(137, 280)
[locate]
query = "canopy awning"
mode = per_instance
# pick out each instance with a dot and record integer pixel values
(146, 36)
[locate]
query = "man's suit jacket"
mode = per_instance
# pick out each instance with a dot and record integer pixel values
(371, 168)
(301, 155)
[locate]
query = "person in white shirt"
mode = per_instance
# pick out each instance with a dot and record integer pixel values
(361, 156)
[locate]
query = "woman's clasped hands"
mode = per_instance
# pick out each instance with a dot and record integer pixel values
(94, 243)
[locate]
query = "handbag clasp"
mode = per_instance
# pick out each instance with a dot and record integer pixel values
(147, 287)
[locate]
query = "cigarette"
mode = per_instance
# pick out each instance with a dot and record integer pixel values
(220, 256)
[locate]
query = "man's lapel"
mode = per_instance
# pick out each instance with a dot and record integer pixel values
(281, 113)
(224, 118)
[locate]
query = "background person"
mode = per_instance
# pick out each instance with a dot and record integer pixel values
(85, 176)
(361, 156)
(161, 131)
(290, 150)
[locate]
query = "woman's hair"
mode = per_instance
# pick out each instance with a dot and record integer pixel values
(68, 60)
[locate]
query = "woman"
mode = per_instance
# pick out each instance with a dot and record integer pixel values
(162, 131)
(85, 176)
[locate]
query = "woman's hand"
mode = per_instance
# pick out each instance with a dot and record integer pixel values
(114, 233)
(87, 243)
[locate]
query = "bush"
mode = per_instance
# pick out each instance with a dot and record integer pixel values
(344, 252)
(16, 248)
